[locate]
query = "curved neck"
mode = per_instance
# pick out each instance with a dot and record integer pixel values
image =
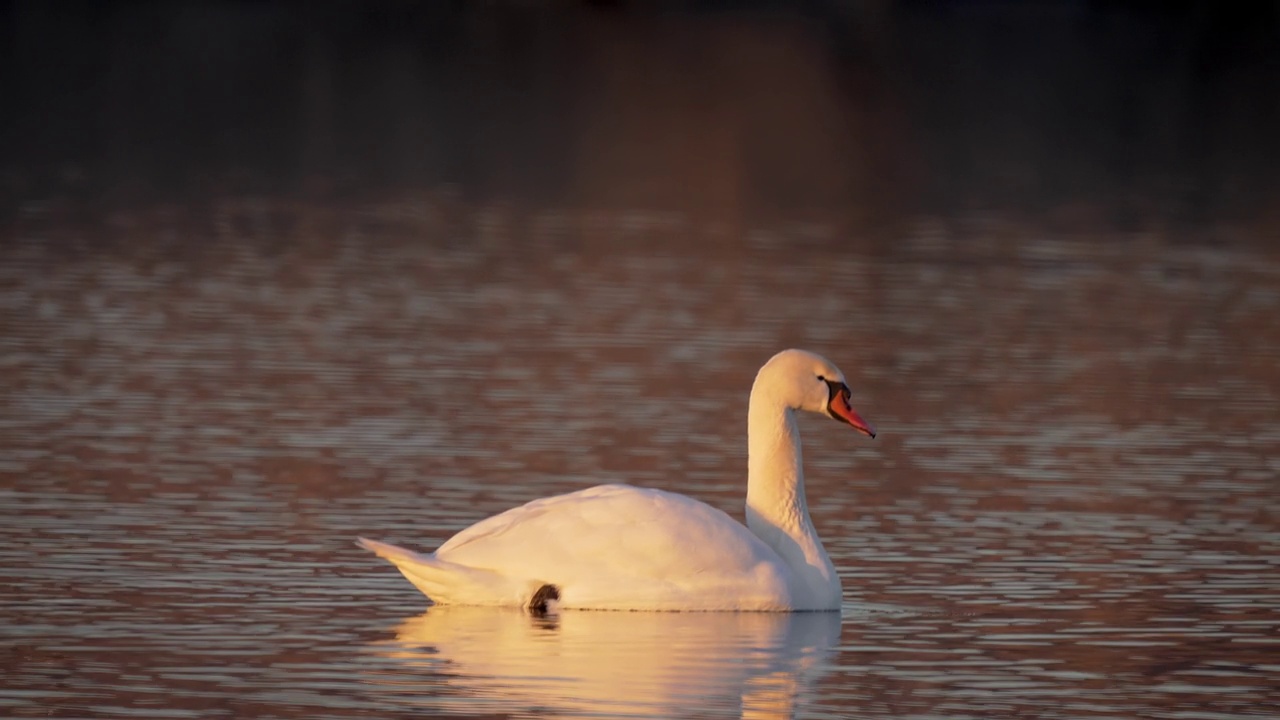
(777, 511)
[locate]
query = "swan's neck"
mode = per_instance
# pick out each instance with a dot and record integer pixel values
(776, 508)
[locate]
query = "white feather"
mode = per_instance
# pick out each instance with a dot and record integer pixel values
(619, 547)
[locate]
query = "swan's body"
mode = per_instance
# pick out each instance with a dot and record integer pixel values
(617, 547)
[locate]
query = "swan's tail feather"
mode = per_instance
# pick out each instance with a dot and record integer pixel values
(387, 551)
(449, 583)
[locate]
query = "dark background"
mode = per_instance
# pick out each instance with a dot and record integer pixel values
(1080, 116)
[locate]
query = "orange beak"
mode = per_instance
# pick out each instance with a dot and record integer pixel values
(841, 410)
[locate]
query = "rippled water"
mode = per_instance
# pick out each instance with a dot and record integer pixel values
(1071, 510)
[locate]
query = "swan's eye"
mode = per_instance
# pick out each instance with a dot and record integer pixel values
(821, 379)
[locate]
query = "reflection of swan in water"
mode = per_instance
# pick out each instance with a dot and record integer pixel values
(619, 547)
(476, 660)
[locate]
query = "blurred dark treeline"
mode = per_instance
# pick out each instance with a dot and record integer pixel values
(1125, 113)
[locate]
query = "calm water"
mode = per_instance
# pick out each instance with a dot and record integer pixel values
(1071, 510)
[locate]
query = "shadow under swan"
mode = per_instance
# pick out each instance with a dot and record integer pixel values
(468, 660)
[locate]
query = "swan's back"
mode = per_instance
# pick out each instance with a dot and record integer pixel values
(625, 547)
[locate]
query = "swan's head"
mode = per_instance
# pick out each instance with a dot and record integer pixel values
(803, 380)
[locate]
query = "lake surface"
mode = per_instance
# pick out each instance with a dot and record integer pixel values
(1071, 511)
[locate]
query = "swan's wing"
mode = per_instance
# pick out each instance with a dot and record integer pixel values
(490, 531)
(612, 533)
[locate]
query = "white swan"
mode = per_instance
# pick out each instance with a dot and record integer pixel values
(617, 547)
